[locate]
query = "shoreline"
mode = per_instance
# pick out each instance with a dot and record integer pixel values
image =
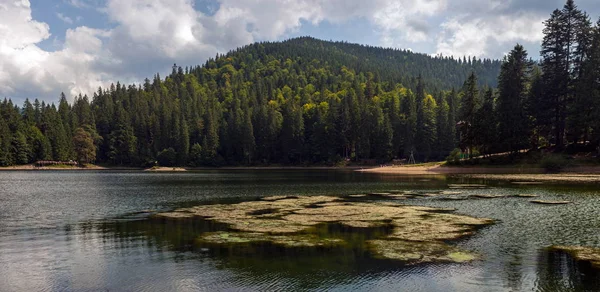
(579, 174)
(439, 169)
(31, 167)
(515, 170)
(512, 172)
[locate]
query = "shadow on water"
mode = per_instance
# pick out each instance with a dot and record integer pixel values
(305, 267)
(559, 271)
(310, 267)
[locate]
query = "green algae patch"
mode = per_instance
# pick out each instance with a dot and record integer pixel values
(413, 234)
(461, 257)
(581, 253)
(418, 252)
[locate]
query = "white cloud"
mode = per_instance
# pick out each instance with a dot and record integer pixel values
(18, 35)
(490, 35)
(64, 18)
(79, 3)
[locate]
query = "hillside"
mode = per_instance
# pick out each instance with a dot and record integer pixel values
(388, 65)
(301, 101)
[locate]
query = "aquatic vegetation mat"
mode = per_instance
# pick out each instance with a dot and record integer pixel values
(414, 234)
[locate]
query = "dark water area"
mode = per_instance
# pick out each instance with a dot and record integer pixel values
(93, 231)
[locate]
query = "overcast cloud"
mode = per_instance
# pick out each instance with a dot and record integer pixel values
(84, 44)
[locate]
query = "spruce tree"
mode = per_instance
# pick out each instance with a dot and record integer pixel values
(469, 106)
(513, 124)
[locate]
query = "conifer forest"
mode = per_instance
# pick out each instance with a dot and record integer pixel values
(306, 101)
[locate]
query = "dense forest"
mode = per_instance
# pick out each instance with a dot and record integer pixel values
(306, 101)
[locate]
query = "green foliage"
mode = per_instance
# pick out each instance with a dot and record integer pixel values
(195, 157)
(84, 147)
(467, 114)
(167, 157)
(513, 124)
(455, 157)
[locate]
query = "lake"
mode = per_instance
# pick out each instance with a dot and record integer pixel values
(93, 231)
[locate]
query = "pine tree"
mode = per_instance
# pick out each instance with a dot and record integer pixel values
(592, 77)
(292, 133)
(248, 141)
(444, 135)
(486, 125)
(538, 110)
(469, 106)
(428, 132)
(562, 54)
(409, 110)
(512, 94)
(453, 111)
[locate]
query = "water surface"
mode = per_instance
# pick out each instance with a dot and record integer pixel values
(90, 231)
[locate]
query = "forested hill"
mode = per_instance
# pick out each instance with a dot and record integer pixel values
(388, 65)
(301, 101)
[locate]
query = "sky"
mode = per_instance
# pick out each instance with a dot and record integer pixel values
(75, 46)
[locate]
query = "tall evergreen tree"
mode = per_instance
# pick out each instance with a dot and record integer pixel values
(513, 125)
(467, 117)
(486, 125)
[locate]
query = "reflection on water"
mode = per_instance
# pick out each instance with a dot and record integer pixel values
(558, 271)
(92, 231)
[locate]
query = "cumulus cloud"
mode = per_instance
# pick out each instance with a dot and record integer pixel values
(148, 36)
(489, 35)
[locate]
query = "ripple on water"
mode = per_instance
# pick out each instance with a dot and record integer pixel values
(76, 231)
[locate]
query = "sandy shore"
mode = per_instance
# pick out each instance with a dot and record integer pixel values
(574, 174)
(165, 169)
(33, 167)
(438, 169)
(64, 167)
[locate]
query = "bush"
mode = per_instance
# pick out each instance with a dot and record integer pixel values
(554, 163)
(454, 157)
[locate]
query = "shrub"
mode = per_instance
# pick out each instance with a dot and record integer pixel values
(454, 157)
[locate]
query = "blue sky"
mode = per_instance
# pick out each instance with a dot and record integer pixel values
(75, 46)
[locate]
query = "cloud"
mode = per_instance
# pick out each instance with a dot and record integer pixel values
(82, 4)
(18, 35)
(64, 18)
(486, 36)
(490, 32)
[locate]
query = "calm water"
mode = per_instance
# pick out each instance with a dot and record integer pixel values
(91, 231)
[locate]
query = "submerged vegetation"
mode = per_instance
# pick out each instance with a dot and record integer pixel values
(407, 233)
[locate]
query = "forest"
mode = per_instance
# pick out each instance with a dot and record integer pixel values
(306, 101)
